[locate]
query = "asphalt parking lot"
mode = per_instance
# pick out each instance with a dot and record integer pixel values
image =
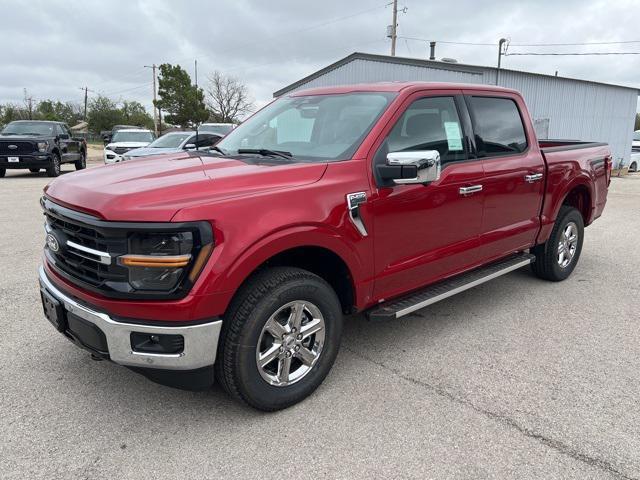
(517, 378)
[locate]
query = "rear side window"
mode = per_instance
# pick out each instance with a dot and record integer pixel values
(498, 126)
(429, 124)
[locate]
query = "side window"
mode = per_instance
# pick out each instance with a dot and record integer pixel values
(498, 126)
(429, 124)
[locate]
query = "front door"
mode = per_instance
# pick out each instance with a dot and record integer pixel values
(425, 232)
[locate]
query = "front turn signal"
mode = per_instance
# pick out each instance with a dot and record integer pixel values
(155, 261)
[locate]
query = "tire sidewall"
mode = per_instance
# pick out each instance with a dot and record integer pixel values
(82, 163)
(251, 383)
(54, 169)
(3, 171)
(571, 215)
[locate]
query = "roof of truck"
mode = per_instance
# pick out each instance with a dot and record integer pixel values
(400, 86)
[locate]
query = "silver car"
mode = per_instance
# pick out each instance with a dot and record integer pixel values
(175, 142)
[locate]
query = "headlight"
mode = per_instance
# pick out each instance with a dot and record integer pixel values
(161, 261)
(42, 146)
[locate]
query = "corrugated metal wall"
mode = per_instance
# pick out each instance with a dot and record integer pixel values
(571, 109)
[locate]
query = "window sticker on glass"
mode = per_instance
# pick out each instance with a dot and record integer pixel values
(454, 138)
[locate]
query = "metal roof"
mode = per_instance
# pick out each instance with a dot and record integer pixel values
(433, 64)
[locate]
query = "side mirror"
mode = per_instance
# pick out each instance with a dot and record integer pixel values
(190, 146)
(405, 168)
(63, 136)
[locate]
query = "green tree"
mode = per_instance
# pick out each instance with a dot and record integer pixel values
(134, 113)
(103, 113)
(70, 113)
(183, 103)
(11, 112)
(637, 126)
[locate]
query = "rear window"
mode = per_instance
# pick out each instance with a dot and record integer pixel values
(498, 126)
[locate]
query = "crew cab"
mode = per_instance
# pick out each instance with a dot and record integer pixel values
(37, 145)
(380, 198)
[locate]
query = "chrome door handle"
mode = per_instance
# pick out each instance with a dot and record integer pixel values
(470, 190)
(533, 178)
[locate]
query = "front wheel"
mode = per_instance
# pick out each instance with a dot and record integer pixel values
(53, 170)
(556, 259)
(82, 163)
(280, 338)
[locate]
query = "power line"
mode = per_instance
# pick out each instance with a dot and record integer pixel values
(570, 54)
(572, 44)
(449, 42)
(138, 87)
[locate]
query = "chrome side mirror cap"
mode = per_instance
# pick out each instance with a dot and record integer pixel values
(420, 166)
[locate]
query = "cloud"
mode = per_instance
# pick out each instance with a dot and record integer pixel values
(54, 47)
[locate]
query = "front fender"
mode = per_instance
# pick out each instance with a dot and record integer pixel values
(229, 280)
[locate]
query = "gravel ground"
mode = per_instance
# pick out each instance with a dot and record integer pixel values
(518, 378)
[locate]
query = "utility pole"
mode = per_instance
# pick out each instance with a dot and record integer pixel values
(28, 102)
(86, 94)
(196, 75)
(394, 28)
(500, 43)
(155, 109)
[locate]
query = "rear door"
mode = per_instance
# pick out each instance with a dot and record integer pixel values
(514, 170)
(425, 232)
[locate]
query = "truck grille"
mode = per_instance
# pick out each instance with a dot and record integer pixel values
(21, 148)
(85, 253)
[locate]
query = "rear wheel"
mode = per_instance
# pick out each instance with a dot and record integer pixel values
(82, 163)
(556, 259)
(633, 167)
(53, 170)
(2, 172)
(280, 338)
(34, 170)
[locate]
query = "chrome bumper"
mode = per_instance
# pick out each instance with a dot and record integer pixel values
(200, 341)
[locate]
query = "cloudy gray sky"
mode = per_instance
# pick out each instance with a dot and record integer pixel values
(53, 47)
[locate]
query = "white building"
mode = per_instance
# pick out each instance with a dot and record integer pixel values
(561, 107)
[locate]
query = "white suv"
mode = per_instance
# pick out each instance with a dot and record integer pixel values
(125, 140)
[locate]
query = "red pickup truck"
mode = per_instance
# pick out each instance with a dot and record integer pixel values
(239, 264)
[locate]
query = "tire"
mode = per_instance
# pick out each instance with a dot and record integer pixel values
(82, 163)
(550, 264)
(53, 170)
(271, 296)
(633, 167)
(34, 170)
(2, 172)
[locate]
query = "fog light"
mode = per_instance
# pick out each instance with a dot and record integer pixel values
(156, 343)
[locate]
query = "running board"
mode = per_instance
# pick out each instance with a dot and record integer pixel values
(439, 291)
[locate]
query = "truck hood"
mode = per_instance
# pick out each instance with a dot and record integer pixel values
(23, 138)
(154, 189)
(127, 144)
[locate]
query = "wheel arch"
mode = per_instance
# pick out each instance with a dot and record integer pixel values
(579, 196)
(317, 251)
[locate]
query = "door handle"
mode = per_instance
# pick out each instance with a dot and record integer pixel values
(470, 190)
(533, 178)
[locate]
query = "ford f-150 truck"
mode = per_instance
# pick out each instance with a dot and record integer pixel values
(39, 144)
(239, 264)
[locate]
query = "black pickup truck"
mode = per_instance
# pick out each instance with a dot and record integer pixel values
(34, 145)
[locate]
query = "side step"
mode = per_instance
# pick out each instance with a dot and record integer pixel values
(439, 291)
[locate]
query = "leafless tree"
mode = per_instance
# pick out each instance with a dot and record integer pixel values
(227, 98)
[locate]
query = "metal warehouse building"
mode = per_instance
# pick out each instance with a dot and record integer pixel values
(561, 107)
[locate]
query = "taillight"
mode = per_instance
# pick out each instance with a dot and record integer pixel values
(608, 160)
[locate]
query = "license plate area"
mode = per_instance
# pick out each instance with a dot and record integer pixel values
(54, 311)
(13, 159)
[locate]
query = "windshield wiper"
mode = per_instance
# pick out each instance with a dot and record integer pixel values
(265, 152)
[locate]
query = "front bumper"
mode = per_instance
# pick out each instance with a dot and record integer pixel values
(25, 161)
(200, 340)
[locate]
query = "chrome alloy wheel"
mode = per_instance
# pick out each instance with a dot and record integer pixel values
(568, 244)
(290, 343)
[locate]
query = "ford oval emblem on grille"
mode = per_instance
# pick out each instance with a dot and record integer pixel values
(52, 243)
(13, 147)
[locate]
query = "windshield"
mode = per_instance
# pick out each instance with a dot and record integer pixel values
(636, 135)
(29, 128)
(219, 129)
(123, 136)
(171, 140)
(312, 127)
